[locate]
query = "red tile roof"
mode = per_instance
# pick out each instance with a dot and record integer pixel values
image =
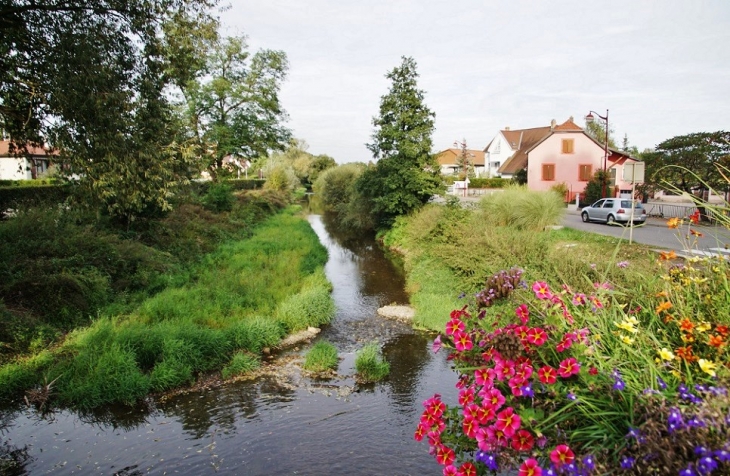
(449, 156)
(524, 139)
(31, 150)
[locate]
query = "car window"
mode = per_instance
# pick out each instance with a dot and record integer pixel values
(627, 204)
(608, 204)
(597, 204)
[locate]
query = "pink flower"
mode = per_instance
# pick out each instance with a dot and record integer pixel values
(579, 299)
(561, 455)
(523, 313)
(467, 469)
(450, 470)
(485, 415)
(420, 432)
(542, 290)
(508, 421)
(521, 332)
(536, 336)
(530, 468)
(436, 344)
(547, 375)
(470, 427)
(568, 367)
(466, 396)
(484, 376)
(493, 399)
(454, 326)
(462, 342)
(444, 455)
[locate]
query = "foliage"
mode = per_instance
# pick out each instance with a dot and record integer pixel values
(688, 162)
(597, 130)
(241, 363)
(336, 189)
(596, 187)
(493, 182)
(219, 197)
(406, 175)
(321, 357)
(370, 365)
(231, 104)
(89, 82)
(523, 209)
(561, 189)
(19, 196)
(520, 177)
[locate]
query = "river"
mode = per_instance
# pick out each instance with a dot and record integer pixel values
(281, 423)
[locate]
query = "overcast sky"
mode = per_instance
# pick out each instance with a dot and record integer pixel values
(662, 68)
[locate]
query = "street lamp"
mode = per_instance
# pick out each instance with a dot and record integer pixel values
(589, 120)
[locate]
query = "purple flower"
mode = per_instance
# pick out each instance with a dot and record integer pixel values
(633, 433)
(571, 396)
(622, 264)
(706, 465)
(436, 344)
(527, 391)
(618, 383)
(674, 420)
(488, 459)
(627, 462)
(688, 471)
(695, 422)
(722, 456)
(550, 472)
(588, 463)
(661, 383)
(701, 450)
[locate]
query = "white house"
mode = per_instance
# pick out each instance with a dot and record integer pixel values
(22, 165)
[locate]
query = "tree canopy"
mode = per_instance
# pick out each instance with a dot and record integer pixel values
(690, 162)
(406, 174)
(89, 79)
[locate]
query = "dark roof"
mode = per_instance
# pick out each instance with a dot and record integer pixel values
(524, 139)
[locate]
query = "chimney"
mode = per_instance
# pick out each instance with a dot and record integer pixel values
(571, 119)
(553, 123)
(506, 128)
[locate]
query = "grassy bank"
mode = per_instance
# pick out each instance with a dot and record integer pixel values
(449, 252)
(218, 312)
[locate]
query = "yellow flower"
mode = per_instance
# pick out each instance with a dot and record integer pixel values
(628, 325)
(666, 354)
(627, 340)
(675, 373)
(673, 222)
(708, 367)
(704, 327)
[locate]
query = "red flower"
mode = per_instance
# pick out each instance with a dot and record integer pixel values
(470, 427)
(454, 326)
(522, 332)
(444, 455)
(508, 422)
(722, 330)
(561, 455)
(547, 375)
(523, 313)
(593, 371)
(466, 396)
(467, 469)
(420, 432)
(493, 399)
(695, 217)
(530, 468)
(523, 440)
(568, 367)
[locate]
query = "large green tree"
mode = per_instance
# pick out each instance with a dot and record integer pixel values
(231, 103)
(689, 163)
(89, 79)
(406, 174)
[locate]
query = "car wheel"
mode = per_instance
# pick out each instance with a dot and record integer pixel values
(584, 217)
(610, 220)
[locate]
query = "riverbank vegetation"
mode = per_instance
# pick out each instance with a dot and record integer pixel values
(370, 364)
(321, 357)
(576, 354)
(99, 316)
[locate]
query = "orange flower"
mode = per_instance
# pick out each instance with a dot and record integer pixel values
(662, 294)
(716, 341)
(686, 325)
(666, 255)
(664, 306)
(722, 330)
(685, 353)
(696, 233)
(673, 222)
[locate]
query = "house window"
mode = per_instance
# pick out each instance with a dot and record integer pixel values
(548, 172)
(585, 172)
(497, 147)
(568, 146)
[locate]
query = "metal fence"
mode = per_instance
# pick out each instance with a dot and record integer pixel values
(666, 210)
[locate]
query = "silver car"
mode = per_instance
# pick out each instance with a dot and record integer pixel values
(612, 210)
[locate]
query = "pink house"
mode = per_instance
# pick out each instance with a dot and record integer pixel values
(564, 154)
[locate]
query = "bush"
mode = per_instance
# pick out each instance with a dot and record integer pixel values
(523, 209)
(493, 182)
(370, 365)
(241, 363)
(321, 357)
(219, 197)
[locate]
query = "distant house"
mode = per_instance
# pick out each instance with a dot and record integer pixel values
(449, 161)
(22, 164)
(506, 144)
(562, 154)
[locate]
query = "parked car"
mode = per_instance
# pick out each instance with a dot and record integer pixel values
(612, 210)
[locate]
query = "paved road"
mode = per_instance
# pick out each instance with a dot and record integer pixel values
(656, 233)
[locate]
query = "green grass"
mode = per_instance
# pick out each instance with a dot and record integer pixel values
(241, 363)
(243, 297)
(370, 364)
(321, 357)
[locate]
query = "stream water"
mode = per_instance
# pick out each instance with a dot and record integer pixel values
(280, 423)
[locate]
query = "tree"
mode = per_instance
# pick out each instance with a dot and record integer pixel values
(597, 130)
(406, 174)
(689, 163)
(231, 104)
(89, 79)
(464, 161)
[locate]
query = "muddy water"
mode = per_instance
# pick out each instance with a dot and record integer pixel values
(280, 423)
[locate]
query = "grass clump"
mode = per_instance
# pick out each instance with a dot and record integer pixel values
(370, 364)
(524, 209)
(321, 357)
(241, 363)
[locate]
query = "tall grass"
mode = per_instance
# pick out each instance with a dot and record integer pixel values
(523, 209)
(370, 364)
(321, 357)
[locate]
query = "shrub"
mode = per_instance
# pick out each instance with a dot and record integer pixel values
(370, 365)
(219, 197)
(561, 189)
(493, 182)
(241, 363)
(522, 208)
(321, 357)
